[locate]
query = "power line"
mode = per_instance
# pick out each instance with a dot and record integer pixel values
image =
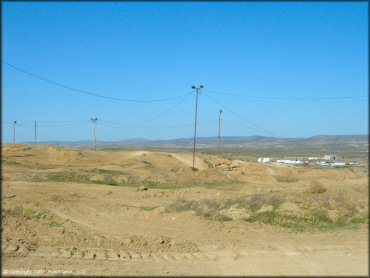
(71, 128)
(162, 113)
(286, 98)
(89, 93)
(63, 125)
(60, 122)
(118, 125)
(18, 124)
(241, 117)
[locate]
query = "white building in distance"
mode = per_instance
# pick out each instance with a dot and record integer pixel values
(264, 160)
(289, 160)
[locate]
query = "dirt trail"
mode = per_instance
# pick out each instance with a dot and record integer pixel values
(187, 159)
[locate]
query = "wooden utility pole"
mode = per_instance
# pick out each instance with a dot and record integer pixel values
(94, 120)
(197, 89)
(219, 132)
(15, 122)
(35, 132)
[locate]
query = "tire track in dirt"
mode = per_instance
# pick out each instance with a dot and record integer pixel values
(311, 267)
(101, 254)
(16, 248)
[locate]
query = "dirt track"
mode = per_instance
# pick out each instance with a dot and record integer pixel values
(99, 229)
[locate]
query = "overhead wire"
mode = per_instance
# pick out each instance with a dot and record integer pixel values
(90, 93)
(286, 98)
(63, 125)
(168, 126)
(241, 117)
(71, 127)
(148, 120)
(162, 113)
(60, 122)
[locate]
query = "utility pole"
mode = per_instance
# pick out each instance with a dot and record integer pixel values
(219, 132)
(94, 120)
(15, 122)
(35, 132)
(197, 89)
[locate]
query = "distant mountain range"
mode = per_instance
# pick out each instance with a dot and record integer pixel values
(321, 142)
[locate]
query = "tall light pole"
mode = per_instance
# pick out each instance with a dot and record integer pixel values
(197, 89)
(219, 132)
(15, 122)
(94, 120)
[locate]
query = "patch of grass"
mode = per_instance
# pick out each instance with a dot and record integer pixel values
(175, 169)
(286, 179)
(162, 185)
(24, 165)
(75, 177)
(317, 221)
(148, 208)
(218, 183)
(148, 164)
(110, 172)
(141, 208)
(55, 224)
(267, 217)
(27, 212)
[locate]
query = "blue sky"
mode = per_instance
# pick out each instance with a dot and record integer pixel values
(158, 50)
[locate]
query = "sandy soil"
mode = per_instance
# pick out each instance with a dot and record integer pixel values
(84, 228)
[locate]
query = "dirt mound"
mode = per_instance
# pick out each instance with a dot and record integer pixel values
(225, 164)
(41, 154)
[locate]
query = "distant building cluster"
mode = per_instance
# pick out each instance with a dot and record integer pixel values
(327, 160)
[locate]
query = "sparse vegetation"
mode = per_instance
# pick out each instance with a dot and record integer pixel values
(316, 187)
(145, 208)
(27, 212)
(110, 172)
(206, 208)
(286, 179)
(55, 224)
(316, 216)
(316, 221)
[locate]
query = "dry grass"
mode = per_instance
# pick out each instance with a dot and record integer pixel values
(286, 179)
(316, 187)
(314, 213)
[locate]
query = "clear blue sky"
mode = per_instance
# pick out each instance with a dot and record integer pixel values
(151, 50)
